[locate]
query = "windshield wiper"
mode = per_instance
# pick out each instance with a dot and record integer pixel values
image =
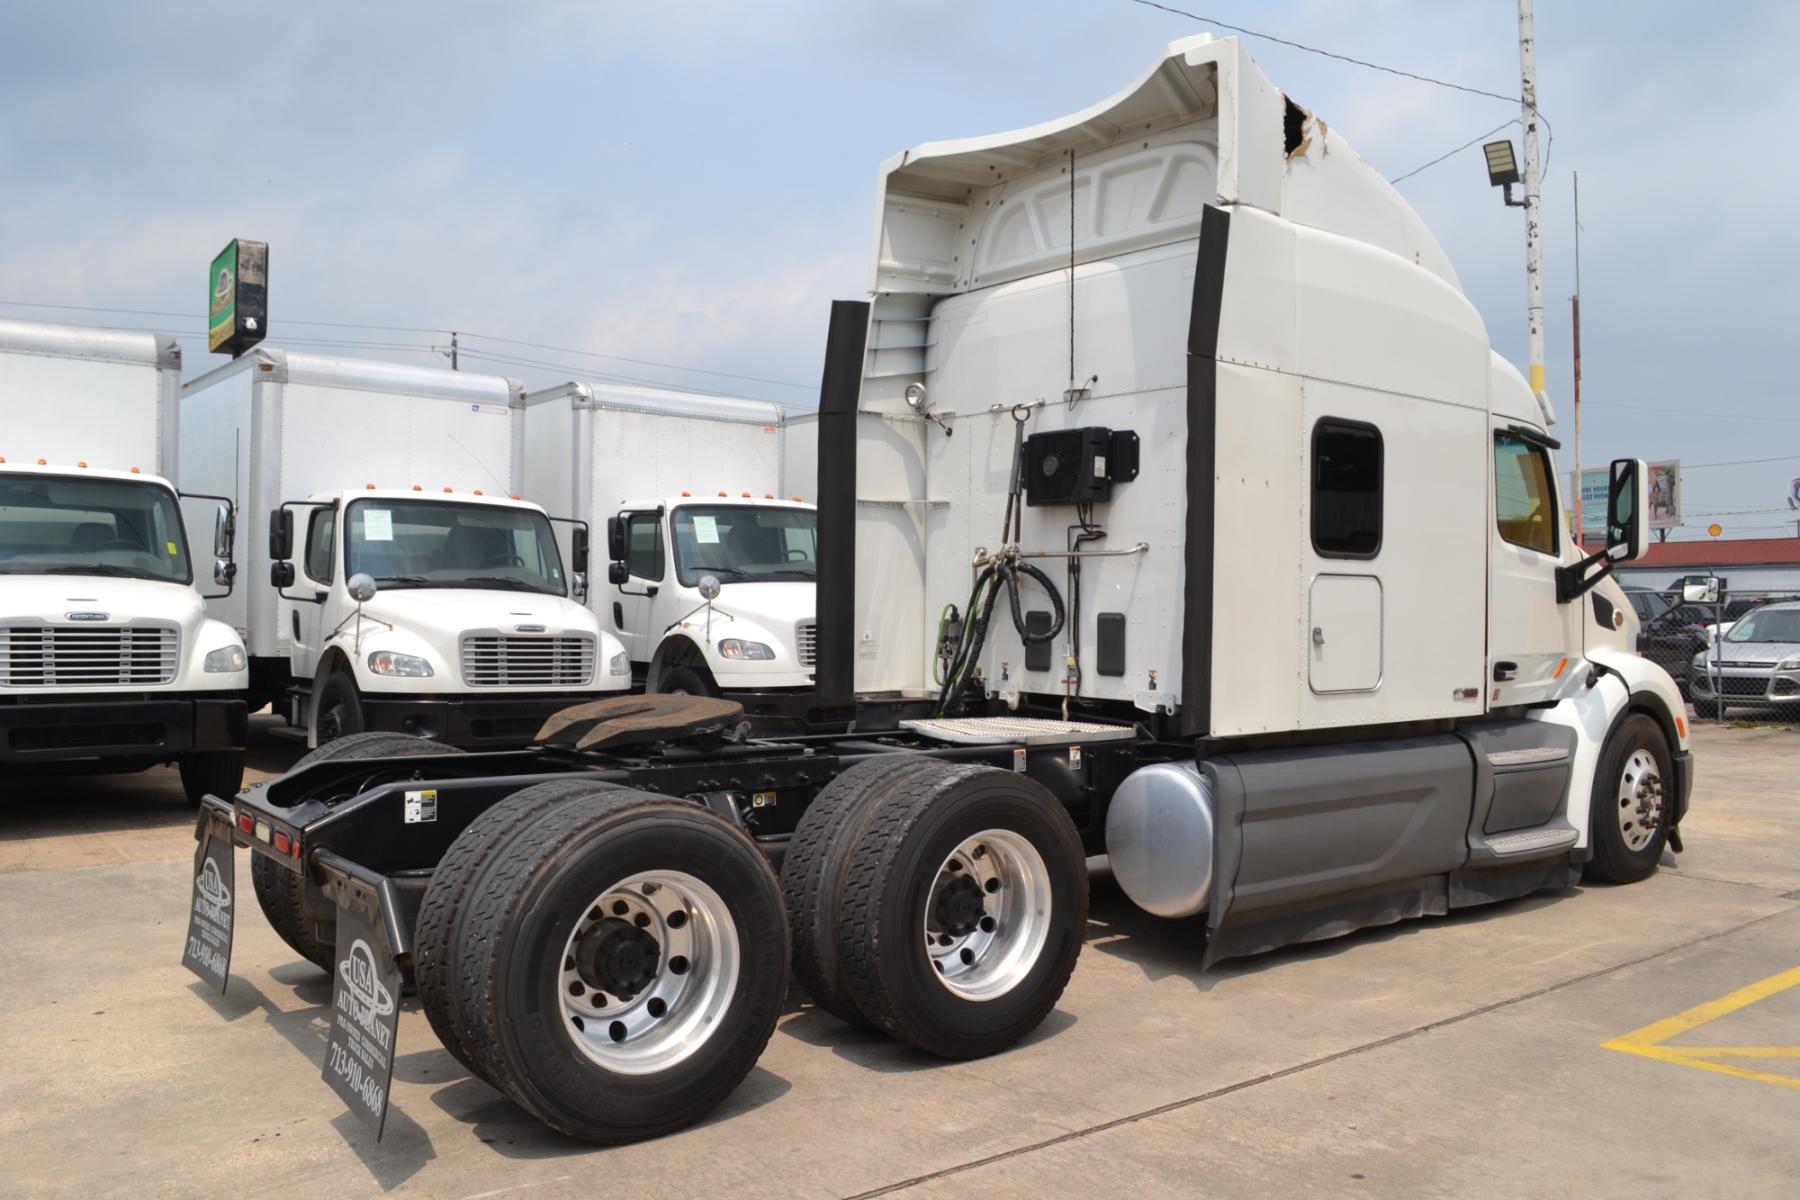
(96, 569)
(791, 573)
(408, 580)
(725, 573)
(505, 581)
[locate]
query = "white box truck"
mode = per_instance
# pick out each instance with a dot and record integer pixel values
(1329, 660)
(108, 661)
(690, 487)
(467, 628)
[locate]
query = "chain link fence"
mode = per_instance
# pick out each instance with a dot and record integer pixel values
(1672, 631)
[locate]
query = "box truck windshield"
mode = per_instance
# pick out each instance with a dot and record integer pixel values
(441, 544)
(744, 545)
(60, 526)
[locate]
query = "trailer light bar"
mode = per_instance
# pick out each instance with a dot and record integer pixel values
(283, 842)
(245, 823)
(263, 832)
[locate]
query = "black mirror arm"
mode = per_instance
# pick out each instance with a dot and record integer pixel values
(1573, 580)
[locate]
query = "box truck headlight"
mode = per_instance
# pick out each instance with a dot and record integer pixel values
(224, 660)
(619, 664)
(386, 662)
(738, 648)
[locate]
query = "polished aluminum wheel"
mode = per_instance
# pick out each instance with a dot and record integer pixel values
(987, 916)
(1640, 799)
(648, 972)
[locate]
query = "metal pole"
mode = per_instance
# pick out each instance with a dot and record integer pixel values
(1575, 315)
(1534, 273)
(453, 362)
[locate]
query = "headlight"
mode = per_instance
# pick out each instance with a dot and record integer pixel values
(224, 660)
(1790, 664)
(619, 664)
(738, 648)
(386, 662)
(1700, 660)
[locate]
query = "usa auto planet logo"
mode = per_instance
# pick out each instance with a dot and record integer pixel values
(214, 897)
(364, 996)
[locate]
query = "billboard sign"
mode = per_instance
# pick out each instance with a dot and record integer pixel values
(237, 302)
(1665, 497)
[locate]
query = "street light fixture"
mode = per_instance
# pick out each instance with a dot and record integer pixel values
(1503, 168)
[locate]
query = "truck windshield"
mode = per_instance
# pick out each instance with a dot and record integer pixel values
(1769, 625)
(55, 525)
(745, 544)
(442, 544)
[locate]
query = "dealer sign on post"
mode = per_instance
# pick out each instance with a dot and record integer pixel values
(238, 298)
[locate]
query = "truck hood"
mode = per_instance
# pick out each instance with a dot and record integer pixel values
(455, 610)
(775, 605)
(53, 597)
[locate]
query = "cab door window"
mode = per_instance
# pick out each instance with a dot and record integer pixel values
(321, 540)
(643, 546)
(1524, 494)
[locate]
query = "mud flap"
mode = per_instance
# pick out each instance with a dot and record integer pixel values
(208, 952)
(365, 1003)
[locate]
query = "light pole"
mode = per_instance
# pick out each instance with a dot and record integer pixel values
(1503, 172)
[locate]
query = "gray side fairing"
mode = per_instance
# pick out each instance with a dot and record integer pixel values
(1316, 842)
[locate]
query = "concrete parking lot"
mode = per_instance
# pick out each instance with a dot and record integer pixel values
(1640, 1041)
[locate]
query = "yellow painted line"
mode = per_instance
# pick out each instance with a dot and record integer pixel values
(1649, 1042)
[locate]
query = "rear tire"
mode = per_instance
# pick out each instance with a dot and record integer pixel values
(963, 911)
(1629, 802)
(340, 712)
(436, 947)
(211, 772)
(814, 869)
(285, 896)
(723, 963)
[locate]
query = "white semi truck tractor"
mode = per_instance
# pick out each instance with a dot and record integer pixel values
(108, 661)
(711, 540)
(1214, 538)
(403, 585)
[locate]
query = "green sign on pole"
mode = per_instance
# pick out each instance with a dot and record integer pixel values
(238, 297)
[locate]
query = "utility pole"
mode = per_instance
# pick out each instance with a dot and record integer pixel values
(454, 366)
(1575, 314)
(1534, 264)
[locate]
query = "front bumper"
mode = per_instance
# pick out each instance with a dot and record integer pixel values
(154, 729)
(499, 723)
(1760, 687)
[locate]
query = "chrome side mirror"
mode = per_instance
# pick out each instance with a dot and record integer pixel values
(1701, 593)
(362, 587)
(224, 531)
(709, 587)
(224, 573)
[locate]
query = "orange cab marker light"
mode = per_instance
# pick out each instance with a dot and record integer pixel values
(478, 491)
(3, 459)
(447, 491)
(746, 495)
(516, 496)
(368, 487)
(768, 495)
(134, 470)
(684, 493)
(80, 462)
(417, 488)
(42, 463)
(721, 493)
(797, 500)
(1681, 726)
(1559, 669)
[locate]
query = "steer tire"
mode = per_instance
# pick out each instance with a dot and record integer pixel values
(283, 894)
(436, 948)
(1614, 860)
(817, 861)
(543, 888)
(891, 874)
(211, 772)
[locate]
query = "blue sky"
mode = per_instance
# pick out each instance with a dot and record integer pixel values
(693, 182)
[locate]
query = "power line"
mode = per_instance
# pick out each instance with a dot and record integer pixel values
(578, 371)
(1691, 412)
(643, 362)
(1355, 62)
(1741, 462)
(1440, 158)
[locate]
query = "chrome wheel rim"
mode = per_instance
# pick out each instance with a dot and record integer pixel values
(648, 972)
(987, 915)
(1640, 799)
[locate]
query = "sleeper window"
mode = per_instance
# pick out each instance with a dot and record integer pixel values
(1524, 496)
(321, 539)
(643, 546)
(1346, 489)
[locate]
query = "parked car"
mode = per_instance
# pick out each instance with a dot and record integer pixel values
(1755, 665)
(1669, 633)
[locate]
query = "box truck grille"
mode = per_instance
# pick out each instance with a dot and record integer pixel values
(40, 655)
(806, 641)
(493, 660)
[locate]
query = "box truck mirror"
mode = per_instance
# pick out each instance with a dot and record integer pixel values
(361, 587)
(224, 532)
(578, 549)
(615, 538)
(224, 573)
(616, 574)
(281, 536)
(281, 575)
